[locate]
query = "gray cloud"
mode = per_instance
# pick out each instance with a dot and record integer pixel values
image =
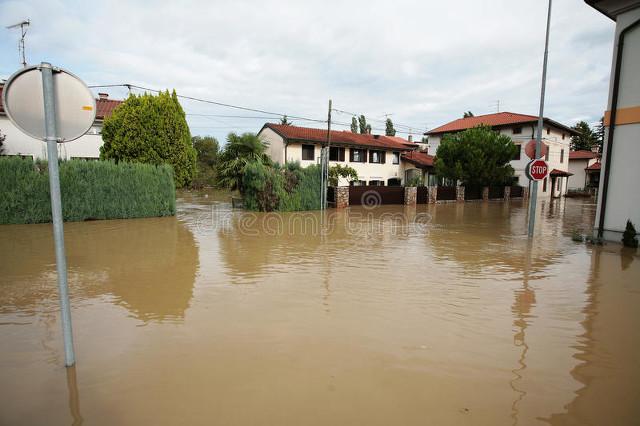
(423, 62)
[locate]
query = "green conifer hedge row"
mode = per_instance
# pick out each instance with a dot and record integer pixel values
(90, 190)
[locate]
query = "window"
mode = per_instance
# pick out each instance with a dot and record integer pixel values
(308, 152)
(548, 130)
(358, 155)
(562, 155)
(517, 156)
(517, 130)
(376, 156)
(336, 154)
(546, 156)
(357, 183)
(376, 183)
(396, 158)
(563, 136)
(544, 185)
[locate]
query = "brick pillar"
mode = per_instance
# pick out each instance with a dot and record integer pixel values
(507, 193)
(525, 192)
(460, 194)
(485, 193)
(342, 196)
(410, 195)
(432, 195)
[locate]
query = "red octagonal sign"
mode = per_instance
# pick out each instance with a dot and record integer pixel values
(537, 170)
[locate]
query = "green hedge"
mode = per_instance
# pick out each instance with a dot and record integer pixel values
(90, 190)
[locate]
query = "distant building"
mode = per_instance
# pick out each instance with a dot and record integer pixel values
(584, 167)
(378, 159)
(85, 147)
(618, 195)
(521, 128)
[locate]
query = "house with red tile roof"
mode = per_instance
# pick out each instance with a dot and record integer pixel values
(585, 169)
(85, 147)
(521, 128)
(378, 159)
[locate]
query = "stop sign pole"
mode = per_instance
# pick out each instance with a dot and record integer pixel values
(534, 188)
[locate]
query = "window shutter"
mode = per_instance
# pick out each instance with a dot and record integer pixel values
(371, 156)
(341, 154)
(383, 156)
(351, 154)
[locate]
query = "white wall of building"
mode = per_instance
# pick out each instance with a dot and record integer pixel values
(577, 167)
(18, 143)
(623, 196)
(366, 171)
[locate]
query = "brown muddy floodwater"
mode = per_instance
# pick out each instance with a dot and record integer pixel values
(440, 315)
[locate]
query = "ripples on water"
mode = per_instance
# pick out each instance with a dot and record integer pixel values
(440, 314)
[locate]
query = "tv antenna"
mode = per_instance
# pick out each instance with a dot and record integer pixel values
(23, 31)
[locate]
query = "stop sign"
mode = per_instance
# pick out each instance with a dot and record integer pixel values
(537, 170)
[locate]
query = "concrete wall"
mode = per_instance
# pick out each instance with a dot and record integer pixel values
(17, 143)
(623, 198)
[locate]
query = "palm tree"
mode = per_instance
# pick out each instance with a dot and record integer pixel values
(239, 151)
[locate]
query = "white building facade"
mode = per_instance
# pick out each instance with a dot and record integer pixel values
(376, 158)
(618, 194)
(521, 128)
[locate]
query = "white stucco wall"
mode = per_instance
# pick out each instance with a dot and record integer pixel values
(366, 171)
(577, 167)
(623, 197)
(17, 143)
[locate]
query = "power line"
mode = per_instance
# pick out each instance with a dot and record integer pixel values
(192, 98)
(395, 125)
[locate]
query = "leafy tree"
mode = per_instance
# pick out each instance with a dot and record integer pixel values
(354, 125)
(151, 129)
(467, 114)
(285, 121)
(2, 139)
(368, 129)
(477, 157)
(389, 130)
(207, 148)
(600, 134)
(239, 151)
(362, 121)
(586, 138)
(339, 171)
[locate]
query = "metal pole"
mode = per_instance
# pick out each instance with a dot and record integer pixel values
(56, 208)
(327, 154)
(534, 189)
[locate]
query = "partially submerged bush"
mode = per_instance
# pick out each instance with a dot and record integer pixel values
(629, 236)
(90, 190)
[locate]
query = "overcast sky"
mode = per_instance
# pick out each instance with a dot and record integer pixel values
(423, 62)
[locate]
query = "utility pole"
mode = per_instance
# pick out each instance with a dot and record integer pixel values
(23, 31)
(534, 188)
(325, 161)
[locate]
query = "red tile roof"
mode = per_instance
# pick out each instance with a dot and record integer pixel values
(419, 159)
(595, 166)
(557, 172)
(338, 137)
(104, 107)
(582, 155)
(499, 119)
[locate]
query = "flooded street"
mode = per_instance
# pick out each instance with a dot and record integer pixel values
(438, 314)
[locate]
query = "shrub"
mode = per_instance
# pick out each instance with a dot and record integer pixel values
(275, 188)
(338, 171)
(629, 236)
(90, 190)
(151, 129)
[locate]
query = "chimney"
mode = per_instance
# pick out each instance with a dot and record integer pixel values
(103, 96)
(376, 136)
(410, 138)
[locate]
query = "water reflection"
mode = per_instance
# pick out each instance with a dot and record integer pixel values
(74, 396)
(147, 266)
